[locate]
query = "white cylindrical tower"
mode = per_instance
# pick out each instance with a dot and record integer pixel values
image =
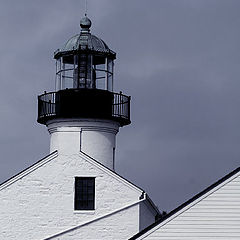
(84, 114)
(94, 137)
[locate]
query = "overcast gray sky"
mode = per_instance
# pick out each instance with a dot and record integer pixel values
(180, 62)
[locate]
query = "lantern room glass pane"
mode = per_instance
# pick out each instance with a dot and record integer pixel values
(58, 75)
(99, 69)
(110, 74)
(67, 76)
(100, 76)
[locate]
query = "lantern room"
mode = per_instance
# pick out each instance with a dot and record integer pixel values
(85, 61)
(84, 82)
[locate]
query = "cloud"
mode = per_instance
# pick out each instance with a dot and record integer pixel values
(179, 60)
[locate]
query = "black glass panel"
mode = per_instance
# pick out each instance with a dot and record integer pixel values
(84, 193)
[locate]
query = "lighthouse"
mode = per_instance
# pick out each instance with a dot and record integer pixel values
(84, 113)
(75, 192)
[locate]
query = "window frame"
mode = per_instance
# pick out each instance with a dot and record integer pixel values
(77, 193)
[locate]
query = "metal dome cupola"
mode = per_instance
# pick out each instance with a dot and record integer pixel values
(84, 82)
(85, 61)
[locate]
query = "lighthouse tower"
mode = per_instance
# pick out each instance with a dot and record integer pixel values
(74, 192)
(84, 113)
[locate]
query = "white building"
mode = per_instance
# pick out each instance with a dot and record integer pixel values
(212, 214)
(74, 192)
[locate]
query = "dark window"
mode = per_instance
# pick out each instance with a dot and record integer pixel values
(84, 193)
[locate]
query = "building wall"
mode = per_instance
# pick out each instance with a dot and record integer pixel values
(117, 226)
(215, 216)
(147, 215)
(41, 203)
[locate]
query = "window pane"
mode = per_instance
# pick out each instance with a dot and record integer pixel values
(84, 193)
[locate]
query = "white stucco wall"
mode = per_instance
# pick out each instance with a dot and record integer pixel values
(117, 226)
(40, 203)
(215, 215)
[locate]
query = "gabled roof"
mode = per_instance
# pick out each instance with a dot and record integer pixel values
(53, 155)
(188, 203)
(86, 157)
(28, 170)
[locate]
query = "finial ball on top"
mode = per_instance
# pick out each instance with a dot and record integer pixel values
(85, 22)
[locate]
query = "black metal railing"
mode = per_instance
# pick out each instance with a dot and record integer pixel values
(84, 103)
